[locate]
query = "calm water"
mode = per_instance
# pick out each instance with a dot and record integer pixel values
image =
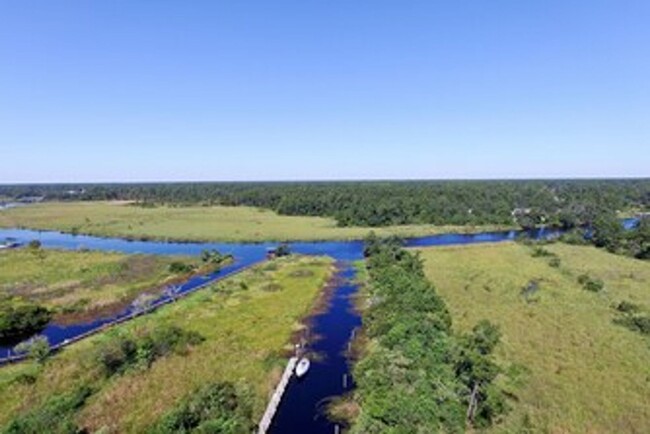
(301, 408)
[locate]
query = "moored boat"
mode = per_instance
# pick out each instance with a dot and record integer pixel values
(302, 367)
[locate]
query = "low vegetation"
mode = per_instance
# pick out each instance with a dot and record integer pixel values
(574, 355)
(37, 284)
(207, 362)
(215, 408)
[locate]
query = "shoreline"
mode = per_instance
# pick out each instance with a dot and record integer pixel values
(460, 230)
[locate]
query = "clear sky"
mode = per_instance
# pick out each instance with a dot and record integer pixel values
(267, 90)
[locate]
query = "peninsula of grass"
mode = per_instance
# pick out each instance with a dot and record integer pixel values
(569, 367)
(197, 223)
(77, 285)
(239, 330)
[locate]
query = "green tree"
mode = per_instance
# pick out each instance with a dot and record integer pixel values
(607, 232)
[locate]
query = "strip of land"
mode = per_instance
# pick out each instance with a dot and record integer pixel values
(568, 366)
(197, 223)
(88, 284)
(244, 324)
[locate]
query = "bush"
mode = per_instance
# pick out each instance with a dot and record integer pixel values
(592, 284)
(20, 321)
(34, 245)
(216, 408)
(574, 237)
(627, 307)
(540, 252)
(37, 348)
(555, 262)
(636, 323)
(178, 267)
(56, 416)
(283, 250)
(123, 352)
(529, 291)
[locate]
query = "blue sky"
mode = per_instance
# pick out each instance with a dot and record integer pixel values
(268, 90)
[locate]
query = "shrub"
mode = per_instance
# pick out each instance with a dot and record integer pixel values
(22, 320)
(530, 290)
(540, 252)
(123, 352)
(627, 307)
(178, 267)
(34, 245)
(283, 250)
(589, 283)
(216, 408)
(636, 323)
(37, 348)
(55, 416)
(574, 237)
(555, 262)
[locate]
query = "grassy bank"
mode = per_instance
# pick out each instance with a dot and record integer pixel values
(245, 322)
(215, 223)
(74, 282)
(569, 367)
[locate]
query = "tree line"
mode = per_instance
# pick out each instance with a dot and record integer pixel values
(381, 203)
(417, 374)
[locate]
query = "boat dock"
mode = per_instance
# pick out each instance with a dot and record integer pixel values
(265, 423)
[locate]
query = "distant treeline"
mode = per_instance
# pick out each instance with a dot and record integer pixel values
(378, 203)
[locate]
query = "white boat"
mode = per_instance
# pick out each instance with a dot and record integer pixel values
(302, 367)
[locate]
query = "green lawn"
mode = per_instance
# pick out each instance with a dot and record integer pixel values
(568, 367)
(76, 281)
(217, 223)
(246, 320)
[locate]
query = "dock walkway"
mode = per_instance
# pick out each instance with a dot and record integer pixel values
(265, 423)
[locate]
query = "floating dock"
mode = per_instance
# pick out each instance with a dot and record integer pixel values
(265, 423)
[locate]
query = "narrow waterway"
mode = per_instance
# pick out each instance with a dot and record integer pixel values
(301, 410)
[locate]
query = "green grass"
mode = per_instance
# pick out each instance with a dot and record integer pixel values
(246, 320)
(568, 367)
(218, 223)
(80, 281)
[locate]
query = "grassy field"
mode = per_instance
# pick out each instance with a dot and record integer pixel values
(246, 320)
(568, 367)
(196, 223)
(74, 282)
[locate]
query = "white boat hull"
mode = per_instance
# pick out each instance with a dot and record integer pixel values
(302, 367)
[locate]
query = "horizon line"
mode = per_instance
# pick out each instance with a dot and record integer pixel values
(326, 180)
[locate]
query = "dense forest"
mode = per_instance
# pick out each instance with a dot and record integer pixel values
(380, 203)
(416, 374)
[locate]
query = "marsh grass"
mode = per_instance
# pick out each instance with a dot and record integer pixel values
(197, 223)
(570, 368)
(73, 282)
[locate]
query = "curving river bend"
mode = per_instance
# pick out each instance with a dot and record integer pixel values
(304, 400)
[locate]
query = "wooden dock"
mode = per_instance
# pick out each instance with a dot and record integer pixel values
(265, 423)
